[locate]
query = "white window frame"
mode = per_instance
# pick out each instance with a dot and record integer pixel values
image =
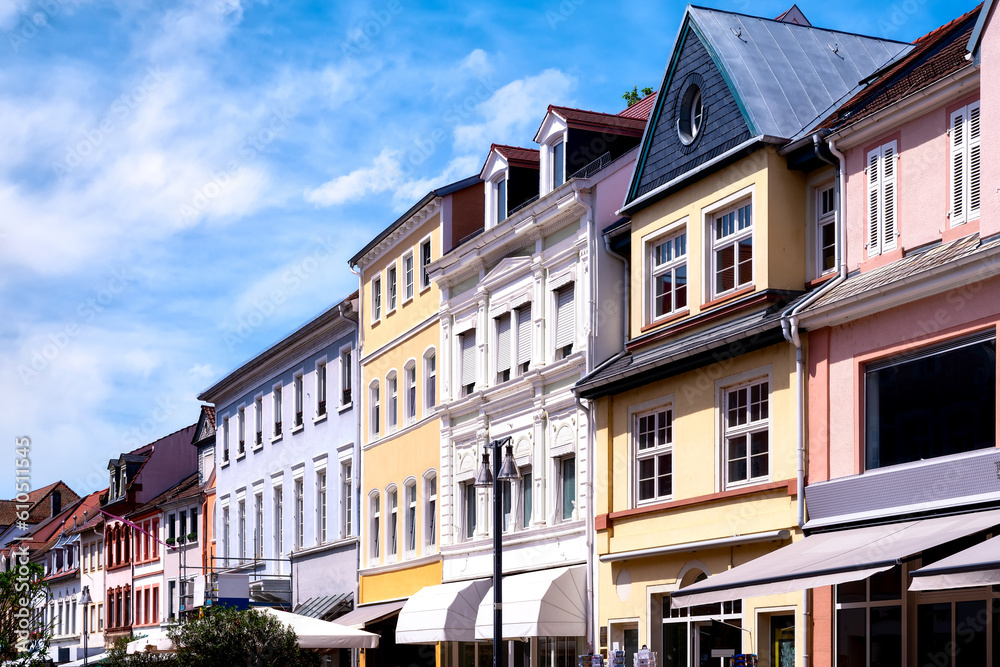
(824, 218)
(258, 409)
(225, 533)
(224, 423)
(391, 288)
(745, 430)
(347, 517)
(410, 392)
(732, 204)
(558, 351)
(430, 377)
(520, 368)
(964, 137)
(392, 402)
(299, 396)
(559, 477)
(410, 517)
(299, 498)
(241, 526)
(374, 528)
(460, 362)
(409, 276)
(346, 376)
(495, 198)
(469, 508)
(425, 279)
(276, 408)
(511, 352)
(392, 524)
(653, 271)
(258, 531)
(882, 198)
(278, 501)
(376, 289)
(322, 406)
(374, 411)
(653, 453)
(241, 430)
(430, 510)
(556, 164)
(322, 499)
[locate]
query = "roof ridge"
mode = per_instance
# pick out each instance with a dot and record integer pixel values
(796, 25)
(949, 25)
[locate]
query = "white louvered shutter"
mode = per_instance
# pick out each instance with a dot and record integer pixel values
(888, 178)
(972, 208)
(523, 335)
(958, 175)
(503, 343)
(564, 317)
(874, 248)
(468, 342)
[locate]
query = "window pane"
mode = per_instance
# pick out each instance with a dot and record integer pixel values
(646, 482)
(527, 491)
(675, 645)
(746, 261)
(971, 620)
(887, 585)
(852, 591)
(851, 638)
(933, 633)
(758, 454)
(886, 636)
(724, 273)
(737, 459)
(664, 478)
(680, 287)
(568, 487)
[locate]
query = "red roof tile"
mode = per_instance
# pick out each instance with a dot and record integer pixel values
(640, 109)
(936, 55)
(517, 154)
(632, 125)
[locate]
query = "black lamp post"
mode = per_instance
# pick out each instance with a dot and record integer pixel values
(504, 472)
(85, 602)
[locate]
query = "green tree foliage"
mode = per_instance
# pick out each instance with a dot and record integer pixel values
(635, 95)
(118, 656)
(24, 641)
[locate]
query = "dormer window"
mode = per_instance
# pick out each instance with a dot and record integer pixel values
(691, 114)
(500, 187)
(558, 164)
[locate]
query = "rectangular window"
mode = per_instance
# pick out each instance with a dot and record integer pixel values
(171, 594)
(376, 299)
(430, 521)
(411, 518)
(279, 521)
(523, 345)
(881, 174)
(506, 506)
(155, 543)
(225, 534)
(745, 432)
(258, 411)
(241, 515)
(668, 262)
(654, 449)
(732, 249)
(193, 532)
(345, 377)
(241, 426)
(258, 532)
(390, 286)
(276, 405)
(321, 507)
(299, 402)
(425, 259)
(869, 620)
(374, 416)
(501, 192)
(410, 375)
(346, 499)
(467, 361)
(469, 502)
(171, 527)
(965, 148)
(527, 496)
(393, 522)
(503, 344)
(408, 276)
(391, 413)
(376, 527)
(565, 321)
(931, 402)
(567, 480)
(182, 523)
(826, 230)
(100, 617)
(430, 389)
(558, 165)
(299, 513)
(156, 604)
(225, 439)
(321, 389)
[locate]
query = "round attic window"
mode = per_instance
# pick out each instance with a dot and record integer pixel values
(691, 114)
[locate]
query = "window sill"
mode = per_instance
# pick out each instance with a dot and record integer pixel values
(344, 407)
(406, 301)
(718, 301)
(241, 456)
(224, 464)
(275, 438)
(320, 418)
(816, 282)
(298, 428)
(425, 288)
(665, 320)
(257, 447)
(738, 486)
(960, 230)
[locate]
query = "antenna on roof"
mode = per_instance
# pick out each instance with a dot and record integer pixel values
(834, 47)
(738, 32)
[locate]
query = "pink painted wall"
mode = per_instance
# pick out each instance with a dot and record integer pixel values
(990, 119)
(838, 398)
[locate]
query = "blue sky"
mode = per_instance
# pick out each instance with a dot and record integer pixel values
(167, 168)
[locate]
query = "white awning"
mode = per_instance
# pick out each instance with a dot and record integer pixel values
(546, 603)
(443, 613)
(826, 559)
(362, 616)
(91, 660)
(978, 565)
(152, 641)
(316, 634)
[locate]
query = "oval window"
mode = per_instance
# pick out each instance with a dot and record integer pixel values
(691, 116)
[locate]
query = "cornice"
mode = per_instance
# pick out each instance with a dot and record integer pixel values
(419, 217)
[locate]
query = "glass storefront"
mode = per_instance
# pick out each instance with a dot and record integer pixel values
(691, 634)
(537, 651)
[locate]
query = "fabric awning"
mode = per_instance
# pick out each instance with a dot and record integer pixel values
(91, 660)
(546, 603)
(825, 559)
(151, 641)
(362, 616)
(978, 565)
(316, 634)
(443, 613)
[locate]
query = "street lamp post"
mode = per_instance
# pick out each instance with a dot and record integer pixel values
(84, 601)
(505, 472)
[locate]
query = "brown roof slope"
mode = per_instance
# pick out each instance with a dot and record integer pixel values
(640, 109)
(516, 153)
(39, 510)
(937, 54)
(598, 120)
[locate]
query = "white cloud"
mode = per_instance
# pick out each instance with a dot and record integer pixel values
(512, 113)
(383, 175)
(477, 61)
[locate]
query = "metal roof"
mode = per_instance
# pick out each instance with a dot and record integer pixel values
(323, 606)
(786, 76)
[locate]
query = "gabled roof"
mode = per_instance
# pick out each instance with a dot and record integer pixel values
(206, 425)
(640, 109)
(934, 56)
(595, 120)
(186, 488)
(785, 76)
(517, 156)
(39, 509)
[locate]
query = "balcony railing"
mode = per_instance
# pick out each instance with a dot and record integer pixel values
(523, 205)
(594, 167)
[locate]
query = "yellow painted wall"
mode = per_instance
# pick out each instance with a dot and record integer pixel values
(398, 584)
(425, 302)
(779, 229)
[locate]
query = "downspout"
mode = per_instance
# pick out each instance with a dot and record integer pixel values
(790, 329)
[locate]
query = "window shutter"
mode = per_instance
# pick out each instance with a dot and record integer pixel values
(468, 357)
(523, 335)
(973, 205)
(503, 343)
(564, 316)
(958, 150)
(889, 196)
(873, 203)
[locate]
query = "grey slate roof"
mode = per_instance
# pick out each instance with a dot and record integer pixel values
(917, 262)
(788, 76)
(746, 333)
(325, 605)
